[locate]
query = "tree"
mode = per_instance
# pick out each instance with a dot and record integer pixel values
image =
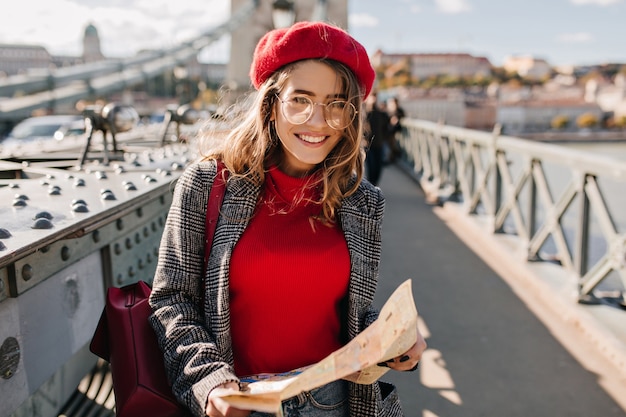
(586, 120)
(559, 122)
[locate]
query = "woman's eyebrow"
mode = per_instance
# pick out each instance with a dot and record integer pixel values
(312, 94)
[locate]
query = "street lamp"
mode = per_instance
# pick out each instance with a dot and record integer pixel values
(320, 12)
(283, 13)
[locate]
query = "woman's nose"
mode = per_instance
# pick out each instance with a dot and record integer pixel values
(318, 118)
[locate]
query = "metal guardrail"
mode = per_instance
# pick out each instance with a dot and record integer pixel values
(566, 206)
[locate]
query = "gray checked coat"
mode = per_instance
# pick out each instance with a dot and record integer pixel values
(196, 341)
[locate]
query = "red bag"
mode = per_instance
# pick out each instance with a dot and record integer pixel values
(125, 338)
(137, 368)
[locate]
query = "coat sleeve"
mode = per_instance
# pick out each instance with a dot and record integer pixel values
(192, 360)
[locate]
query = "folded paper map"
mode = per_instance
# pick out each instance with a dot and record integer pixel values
(392, 334)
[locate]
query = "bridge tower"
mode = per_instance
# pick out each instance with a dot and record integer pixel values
(245, 38)
(91, 45)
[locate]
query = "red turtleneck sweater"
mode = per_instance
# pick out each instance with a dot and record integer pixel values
(288, 274)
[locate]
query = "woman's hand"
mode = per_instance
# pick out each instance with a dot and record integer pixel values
(220, 408)
(409, 360)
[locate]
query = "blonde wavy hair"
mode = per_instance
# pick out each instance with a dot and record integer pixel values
(251, 145)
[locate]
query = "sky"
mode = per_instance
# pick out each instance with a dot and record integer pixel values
(563, 32)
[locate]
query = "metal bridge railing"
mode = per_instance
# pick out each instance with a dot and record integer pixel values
(565, 206)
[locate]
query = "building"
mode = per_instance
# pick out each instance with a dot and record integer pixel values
(610, 96)
(422, 66)
(536, 115)
(528, 67)
(91, 45)
(17, 59)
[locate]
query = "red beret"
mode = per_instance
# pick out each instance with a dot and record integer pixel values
(309, 40)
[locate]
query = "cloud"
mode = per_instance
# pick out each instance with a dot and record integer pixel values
(596, 2)
(363, 20)
(453, 6)
(124, 26)
(578, 37)
(412, 6)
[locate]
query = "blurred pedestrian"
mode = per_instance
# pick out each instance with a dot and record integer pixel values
(396, 114)
(377, 134)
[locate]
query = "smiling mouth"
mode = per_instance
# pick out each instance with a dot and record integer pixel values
(312, 139)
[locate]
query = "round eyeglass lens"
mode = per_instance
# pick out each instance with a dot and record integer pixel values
(298, 110)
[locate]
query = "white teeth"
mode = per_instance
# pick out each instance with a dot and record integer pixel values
(312, 139)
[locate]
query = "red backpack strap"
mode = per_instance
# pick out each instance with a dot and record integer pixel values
(214, 204)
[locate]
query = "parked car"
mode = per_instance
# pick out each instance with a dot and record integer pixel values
(44, 128)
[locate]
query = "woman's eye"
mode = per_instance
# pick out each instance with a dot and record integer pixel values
(299, 100)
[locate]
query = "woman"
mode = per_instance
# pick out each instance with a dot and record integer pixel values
(294, 261)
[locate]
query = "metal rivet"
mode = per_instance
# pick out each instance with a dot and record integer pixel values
(80, 208)
(54, 190)
(9, 357)
(137, 238)
(43, 215)
(96, 236)
(79, 182)
(129, 186)
(107, 195)
(27, 272)
(117, 249)
(129, 243)
(139, 212)
(131, 271)
(18, 202)
(42, 223)
(119, 224)
(4, 233)
(146, 232)
(119, 279)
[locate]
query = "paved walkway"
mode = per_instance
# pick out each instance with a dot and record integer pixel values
(496, 348)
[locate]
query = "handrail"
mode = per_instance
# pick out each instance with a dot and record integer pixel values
(560, 202)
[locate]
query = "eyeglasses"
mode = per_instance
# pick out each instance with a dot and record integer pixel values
(298, 110)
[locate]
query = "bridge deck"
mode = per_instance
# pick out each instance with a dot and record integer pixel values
(496, 346)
